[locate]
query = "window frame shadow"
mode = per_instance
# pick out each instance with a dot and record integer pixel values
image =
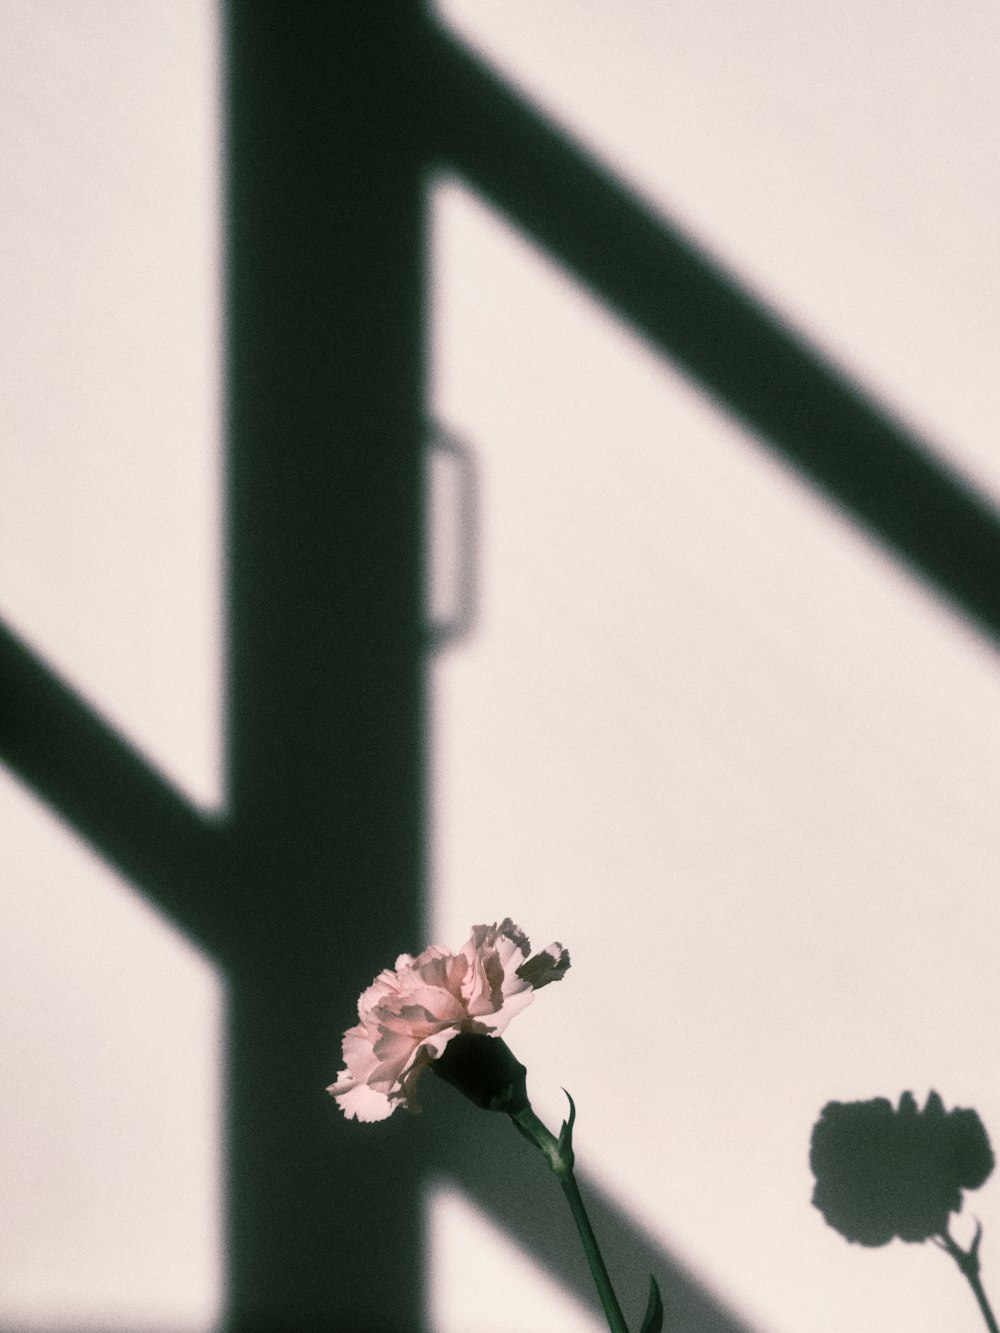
(314, 876)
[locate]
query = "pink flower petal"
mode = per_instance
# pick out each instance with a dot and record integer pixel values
(410, 1014)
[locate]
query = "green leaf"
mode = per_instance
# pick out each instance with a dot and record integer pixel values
(566, 1133)
(652, 1320)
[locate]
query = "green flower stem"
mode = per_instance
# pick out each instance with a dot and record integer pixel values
(612, 1310)
(559, 1154)
(968, 1262)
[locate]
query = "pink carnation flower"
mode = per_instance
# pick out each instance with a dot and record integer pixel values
(408, 1016)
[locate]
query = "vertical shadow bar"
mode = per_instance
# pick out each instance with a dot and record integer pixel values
(325, 263)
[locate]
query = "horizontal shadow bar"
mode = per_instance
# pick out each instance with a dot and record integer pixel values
(487, 1160)
(689, 309)
(72, 760)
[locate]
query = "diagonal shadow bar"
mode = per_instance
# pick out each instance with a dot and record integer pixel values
(54, 742)
(643, 268)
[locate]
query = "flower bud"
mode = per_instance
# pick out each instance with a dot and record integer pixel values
(485, 1070)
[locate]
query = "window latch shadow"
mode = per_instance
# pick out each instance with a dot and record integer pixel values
(451, 553)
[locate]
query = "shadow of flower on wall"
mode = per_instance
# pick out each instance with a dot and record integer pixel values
(883, 1173)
